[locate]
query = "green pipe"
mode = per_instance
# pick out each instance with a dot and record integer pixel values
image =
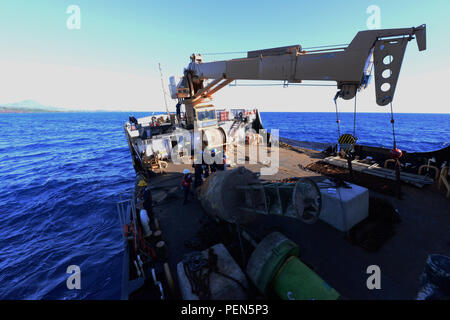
(295, 281)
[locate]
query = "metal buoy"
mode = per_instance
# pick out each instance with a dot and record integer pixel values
(238, 195)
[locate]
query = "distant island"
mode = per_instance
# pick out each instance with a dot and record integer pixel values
(22, 110)
(32, 106)
(27, 106)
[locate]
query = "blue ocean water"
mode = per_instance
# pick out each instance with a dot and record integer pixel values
(61, 175)
(414, 132)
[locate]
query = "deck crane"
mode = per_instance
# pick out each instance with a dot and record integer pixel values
(225, 193)
(349, 66)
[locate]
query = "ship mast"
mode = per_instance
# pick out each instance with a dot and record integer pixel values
(164, 91)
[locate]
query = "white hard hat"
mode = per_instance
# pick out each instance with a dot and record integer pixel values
(186, 171)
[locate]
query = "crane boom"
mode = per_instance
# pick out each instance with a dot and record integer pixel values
(349, 66)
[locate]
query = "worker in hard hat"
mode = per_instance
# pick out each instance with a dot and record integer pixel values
(186, 184)
(140, 188)
(142, 183)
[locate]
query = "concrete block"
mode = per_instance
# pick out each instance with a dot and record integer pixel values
(343, 208)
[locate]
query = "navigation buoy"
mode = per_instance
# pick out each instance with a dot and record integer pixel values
(396, 153)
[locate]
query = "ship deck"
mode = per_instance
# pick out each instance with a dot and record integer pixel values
(424, 229)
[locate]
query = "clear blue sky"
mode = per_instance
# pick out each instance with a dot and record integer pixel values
(120, 43)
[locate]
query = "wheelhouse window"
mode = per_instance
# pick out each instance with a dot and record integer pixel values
(206, 115)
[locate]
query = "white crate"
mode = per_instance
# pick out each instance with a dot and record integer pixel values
(343, 208)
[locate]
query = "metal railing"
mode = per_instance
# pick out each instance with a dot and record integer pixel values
(124, 207)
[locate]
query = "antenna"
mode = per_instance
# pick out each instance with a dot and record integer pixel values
(164, 91)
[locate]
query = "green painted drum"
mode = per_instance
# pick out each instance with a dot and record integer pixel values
(268, 257)
(295, 281)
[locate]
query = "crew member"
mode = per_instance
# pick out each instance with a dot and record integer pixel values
(147, 203)
(198, 170)
(213, 165)
(178, 106)
(132, 120)
(222, 166)
(186, 185)
(205, 167)
(224, 160)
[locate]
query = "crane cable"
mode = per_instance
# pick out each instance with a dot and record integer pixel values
(337, 114)
(392, 116)
(396, 154)
(393, 129)
(338, 121)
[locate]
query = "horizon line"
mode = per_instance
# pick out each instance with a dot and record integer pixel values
(163, 112)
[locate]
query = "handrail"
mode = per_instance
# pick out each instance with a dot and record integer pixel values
(123, 208)
(436, 170)
(389, 161)
(443, 180)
